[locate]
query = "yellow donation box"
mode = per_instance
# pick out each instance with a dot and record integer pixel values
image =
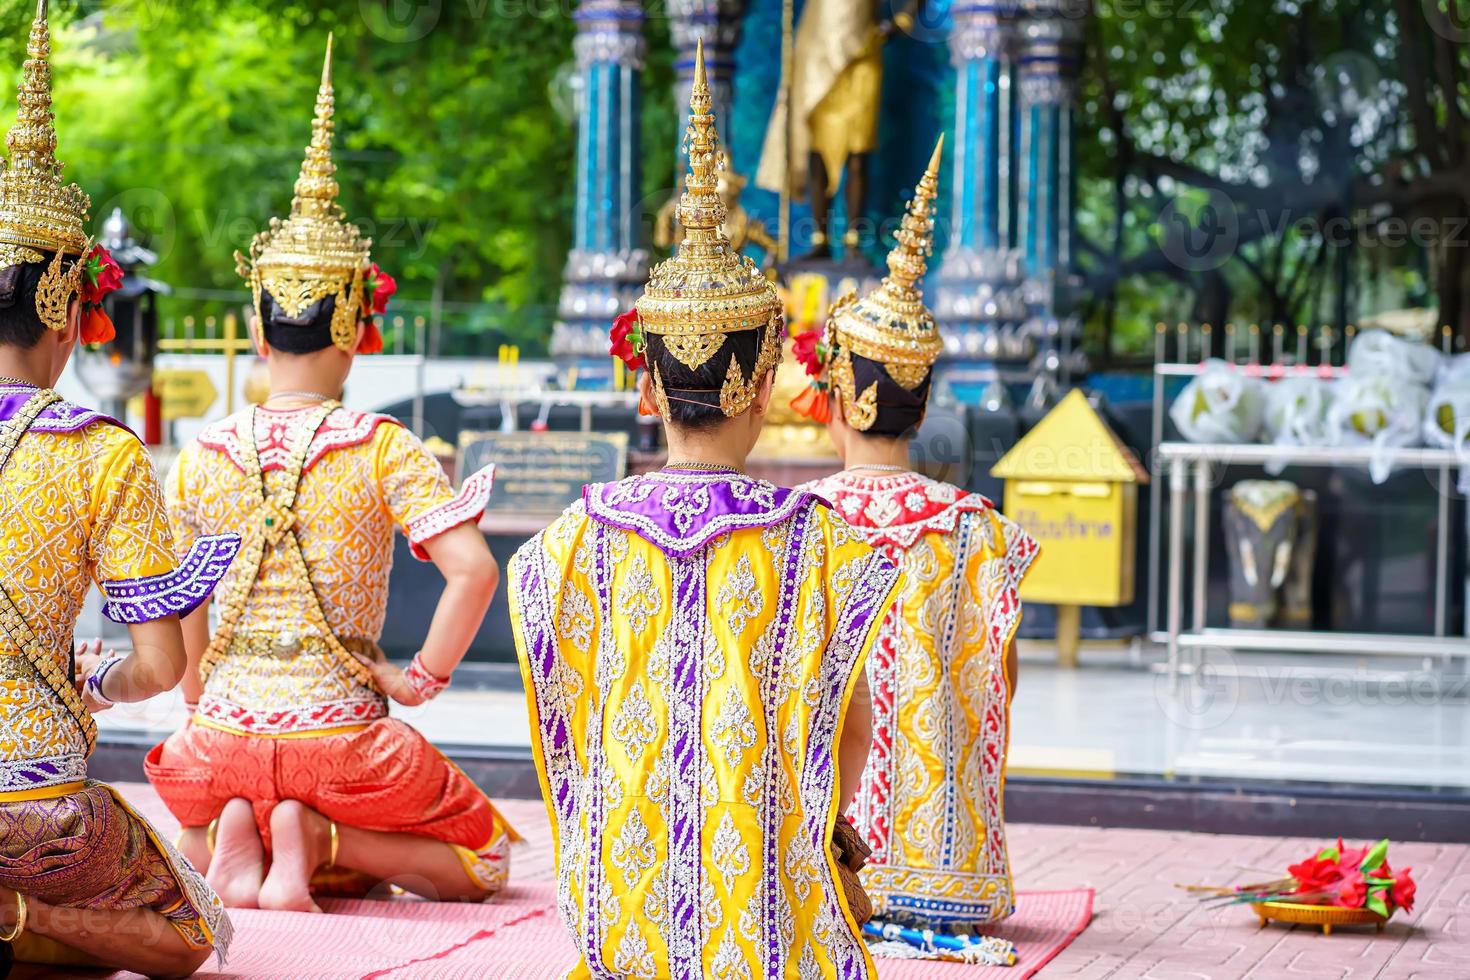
(1074, 487)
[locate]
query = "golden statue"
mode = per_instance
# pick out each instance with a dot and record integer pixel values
(829, 115)
(740, 227)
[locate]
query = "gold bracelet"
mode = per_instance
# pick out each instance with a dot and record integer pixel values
(20, 920)
(904, 21)
(332, 851)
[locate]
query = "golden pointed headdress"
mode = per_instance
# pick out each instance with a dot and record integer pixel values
(316, 252)
(707, 289)
(891, 325)
(37, 212)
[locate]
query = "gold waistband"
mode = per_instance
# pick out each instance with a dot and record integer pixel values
(307, 733)
(288, 644)
(42, 792)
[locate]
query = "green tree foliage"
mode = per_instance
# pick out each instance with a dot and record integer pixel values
(193, 115)
(1327, 136)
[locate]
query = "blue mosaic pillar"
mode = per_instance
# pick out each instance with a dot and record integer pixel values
(609, 260)
(1048, 60)
(979, 277)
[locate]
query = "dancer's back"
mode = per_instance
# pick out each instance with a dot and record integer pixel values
(689, 643)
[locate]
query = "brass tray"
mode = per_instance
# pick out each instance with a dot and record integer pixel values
(1326, 916)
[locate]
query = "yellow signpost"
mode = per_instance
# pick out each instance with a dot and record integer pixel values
(1073, 486)
(231, 345)
(184, 394)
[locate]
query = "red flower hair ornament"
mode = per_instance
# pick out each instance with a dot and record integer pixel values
(812, 353)
(378, 288)
(101, 276)
(628, 343)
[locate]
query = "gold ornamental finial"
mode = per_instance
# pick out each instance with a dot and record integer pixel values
(316, 252)
(37, 212)
(701, 208)
(707, 289)
(908, 261)
(891, 325)
(316, 188)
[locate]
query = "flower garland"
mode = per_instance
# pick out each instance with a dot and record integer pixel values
(101, 276)
(378, 288)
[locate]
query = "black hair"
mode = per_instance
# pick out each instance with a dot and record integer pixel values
(20, 324)
(899, 410)
(304, 334)
(694, 394)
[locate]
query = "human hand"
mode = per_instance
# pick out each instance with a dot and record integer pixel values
(392, 682)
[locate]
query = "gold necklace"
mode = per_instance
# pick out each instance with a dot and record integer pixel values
(7, 380)
(694, 464)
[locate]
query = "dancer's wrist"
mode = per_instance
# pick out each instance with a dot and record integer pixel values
(422, 680)
(96, 682)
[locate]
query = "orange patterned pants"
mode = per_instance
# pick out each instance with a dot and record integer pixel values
(385, 777)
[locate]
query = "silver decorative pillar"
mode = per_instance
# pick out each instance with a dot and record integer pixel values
(978, 299)
(1049, 60)
(609, 261)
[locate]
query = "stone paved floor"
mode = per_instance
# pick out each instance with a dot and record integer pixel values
(1146, 929)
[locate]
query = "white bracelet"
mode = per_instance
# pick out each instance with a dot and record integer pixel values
(94, 681)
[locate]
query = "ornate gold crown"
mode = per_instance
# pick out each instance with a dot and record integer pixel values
(316, 252)
(707, 289)
(37, 212)
(891, 325)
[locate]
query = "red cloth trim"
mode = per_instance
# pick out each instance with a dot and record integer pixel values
(898, 509)
(316, 717)
(342, 429)
(466, 506)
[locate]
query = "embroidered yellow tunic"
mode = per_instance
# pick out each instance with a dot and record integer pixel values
(689, 643)
(365, 474)
(79, 503)
(930, 803)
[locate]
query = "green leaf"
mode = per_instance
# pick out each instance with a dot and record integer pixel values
(1375, 856)
(1328, 854)
(1377, 904)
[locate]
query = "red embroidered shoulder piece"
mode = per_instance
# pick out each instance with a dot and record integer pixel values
(898, 509)
(342, 428)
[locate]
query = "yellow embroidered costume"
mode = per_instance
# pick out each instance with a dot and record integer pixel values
(79, 504)
(689, 642)
(289, 709)
(931, 798)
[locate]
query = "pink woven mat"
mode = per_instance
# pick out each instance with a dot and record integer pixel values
(1044, 923)
(518, 936)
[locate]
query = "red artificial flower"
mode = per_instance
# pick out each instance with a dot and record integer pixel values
(814, 404)
(627, 340)
(1316, 875)
(372, 338)
(1403, 890)
(1351, 857)
(1352, 890)
(809, 352)
(379, 288)
(97, 326)
(101, 275)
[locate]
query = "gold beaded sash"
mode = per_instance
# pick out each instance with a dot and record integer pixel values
(276, 525)
(11, 620)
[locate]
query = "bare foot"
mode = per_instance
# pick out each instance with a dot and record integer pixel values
(301, 841)
(194, 844)
(238, 866)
